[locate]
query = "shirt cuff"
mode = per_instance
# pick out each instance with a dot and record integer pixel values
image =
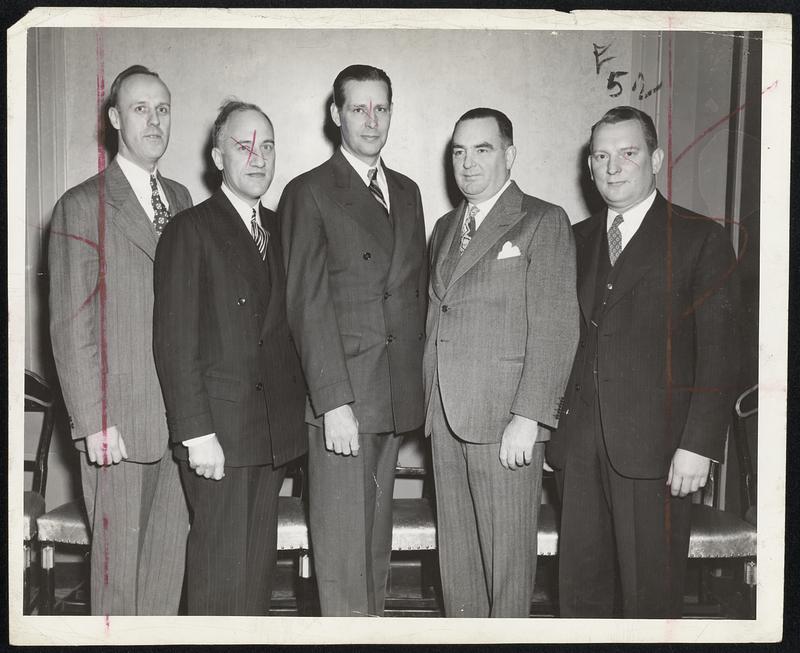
(198, 439)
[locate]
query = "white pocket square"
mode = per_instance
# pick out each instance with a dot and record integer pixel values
(508, 251)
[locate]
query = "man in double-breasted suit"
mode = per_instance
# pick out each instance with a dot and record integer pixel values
(652, 384)
(102, 243)
(501, 333)
(232, 382)
(354, 247)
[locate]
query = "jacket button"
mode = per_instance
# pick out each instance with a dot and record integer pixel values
(610, 286)
(416, 293)
(260, 343)
(577, 387)
(389, 339)
(259, 386)
(420, 336)
(366, 256)
(241, 301)
(386, 295)
(444, 308)
(583, 343)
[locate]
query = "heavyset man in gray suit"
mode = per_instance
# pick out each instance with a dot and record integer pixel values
(501, 334)
(102, 244)
(354, 246)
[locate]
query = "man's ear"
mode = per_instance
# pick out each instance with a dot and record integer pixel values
(589, 163)
(657, 160)
(113, 116)
(511, 154)
(216, 154)
(335, 115)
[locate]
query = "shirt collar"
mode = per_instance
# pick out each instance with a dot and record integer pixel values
(361, 168)
(487, 205)
(633, 217)
(244, 209)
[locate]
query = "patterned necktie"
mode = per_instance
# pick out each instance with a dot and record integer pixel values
(375, 189)
(259, 235)
(161, 214)
(615, 240)
(468, 228)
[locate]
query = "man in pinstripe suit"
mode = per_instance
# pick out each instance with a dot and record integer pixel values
(501, 333)
(102, 243)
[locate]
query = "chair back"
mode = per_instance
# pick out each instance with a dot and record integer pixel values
(746, 406)
(40, 398)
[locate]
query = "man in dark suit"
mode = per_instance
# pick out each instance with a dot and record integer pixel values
(501, 334)
(231, 379)
(354, 247)
(102, 243)
(651, 386)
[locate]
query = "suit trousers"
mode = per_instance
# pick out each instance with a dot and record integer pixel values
(139, 522)
(617, 534)
(350, 516)
(487, 519)
(232, 548)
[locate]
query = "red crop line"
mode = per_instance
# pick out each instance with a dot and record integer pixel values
(81, 239)
(719, 122)
(249, 148)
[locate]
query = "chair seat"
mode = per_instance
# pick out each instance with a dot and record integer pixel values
(720, 534)
(65, 525)
(548, 531)
(33, 505)
(292, 524)
(414, 528)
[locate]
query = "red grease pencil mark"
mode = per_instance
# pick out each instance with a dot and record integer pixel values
(252, 147)
(101, 293)
(94, 246)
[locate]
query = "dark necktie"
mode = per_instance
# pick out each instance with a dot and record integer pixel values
(468, 228)
(161, 214)
(259, 235)
(615, 240)
(375, 189)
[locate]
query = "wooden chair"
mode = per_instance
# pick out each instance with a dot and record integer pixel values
(39, 398)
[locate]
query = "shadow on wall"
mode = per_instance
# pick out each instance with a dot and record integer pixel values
(589, 192)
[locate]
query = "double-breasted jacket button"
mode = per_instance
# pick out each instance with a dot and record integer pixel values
(241, 301)
(610, 286)
(420, 336)
(389, 339)
(444, 308)
(577, 387)
(366, 256)
(259, 386)
(260, 342)
(386, 295)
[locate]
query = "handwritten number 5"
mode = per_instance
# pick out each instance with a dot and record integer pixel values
(612, 83)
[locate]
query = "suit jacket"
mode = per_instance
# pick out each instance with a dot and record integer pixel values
(101, 253)
(502, 331)
(666, 344)
(356, 294)
(223, 351)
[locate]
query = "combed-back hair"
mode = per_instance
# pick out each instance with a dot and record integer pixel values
(358, 73)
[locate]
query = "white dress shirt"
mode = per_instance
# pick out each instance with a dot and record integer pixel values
(631, 219)
(362, 169)
(139, 179)
(487, 205)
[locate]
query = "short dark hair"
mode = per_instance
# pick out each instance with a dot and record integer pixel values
(503, 123)
(358, 73)
(130, 71)
(226, 109)
(623, 113)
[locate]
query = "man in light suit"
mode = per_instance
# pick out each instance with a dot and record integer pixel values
(354, 247)
(102, 243)
(651, 387)
(232, 382)
(501, 333)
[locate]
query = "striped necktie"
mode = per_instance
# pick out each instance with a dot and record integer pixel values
(375, 189)
(259, 235)
(468, 228)
(160, 212)
(615, 239)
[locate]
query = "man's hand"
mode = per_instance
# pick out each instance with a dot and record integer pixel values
(688, 472)
(106, 448)
(341, 431)
(207, 459)
(516, 447)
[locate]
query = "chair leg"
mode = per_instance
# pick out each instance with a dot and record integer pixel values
(26, 580)
(304, 573)
(750, 580)
(47, 591)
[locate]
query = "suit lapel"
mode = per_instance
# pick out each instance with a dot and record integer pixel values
(350, 192)
(274, 264)
(128, 215)
(506, 212)
(642, 252)
(402, 211)
(589, 246)
(441, 244)
(175, 206)
(237, 244)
